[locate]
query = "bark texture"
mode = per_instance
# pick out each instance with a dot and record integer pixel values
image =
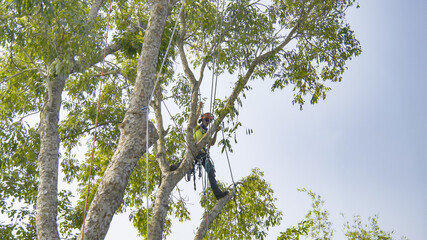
(169, 181)
(132, 141)
(47, 202)
(211, 215)
(111, 190)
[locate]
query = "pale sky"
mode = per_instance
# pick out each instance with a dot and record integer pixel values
(363, 149)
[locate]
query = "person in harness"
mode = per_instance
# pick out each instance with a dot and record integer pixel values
(203, 156)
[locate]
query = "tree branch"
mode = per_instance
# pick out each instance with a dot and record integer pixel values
(258, 60)
(84, 64)
(19, 73)
(195, 88)
(94, 9)
(42, 73)
(211, 215)
(89, 129)
(161, 148)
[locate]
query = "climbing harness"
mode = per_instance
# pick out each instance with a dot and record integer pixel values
(197, 167)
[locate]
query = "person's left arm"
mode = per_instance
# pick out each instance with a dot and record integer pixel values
(213, 139)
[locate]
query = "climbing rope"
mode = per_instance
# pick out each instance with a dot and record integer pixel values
(147, 109)
(214, 85)
(176, 125)
(228, 160)
(96, 120)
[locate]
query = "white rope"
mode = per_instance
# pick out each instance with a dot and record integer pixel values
(207, 198)
(229, 165)
(147, 108)
(213, 97)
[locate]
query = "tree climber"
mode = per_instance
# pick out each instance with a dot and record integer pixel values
(203, 156)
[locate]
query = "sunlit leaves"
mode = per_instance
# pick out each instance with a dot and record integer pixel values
(21, 88)
(358, 230)
(294, 233)
(317, 226)
(18, 178)
(324, 43)
(321, 226)
(130, 21)
(250, 214)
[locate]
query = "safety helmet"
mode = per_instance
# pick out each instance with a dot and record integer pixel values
(206, 116)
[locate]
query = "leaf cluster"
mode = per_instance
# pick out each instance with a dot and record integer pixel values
(18, 178)
(324, 43)
(321, 226)
(360, 231)
(250, 214)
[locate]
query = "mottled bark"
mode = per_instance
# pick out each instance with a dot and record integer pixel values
(132, 141)
(94, 9)
(111, 190)
(47, 162)
(209, 216)
(48, 158)
(161, 143)
(161, 205)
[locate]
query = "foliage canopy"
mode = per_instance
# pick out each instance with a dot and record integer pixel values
(297, 43)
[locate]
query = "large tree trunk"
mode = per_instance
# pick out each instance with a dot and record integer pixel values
(161, 206)
(132, 143)
(47, 202)
(111, 190)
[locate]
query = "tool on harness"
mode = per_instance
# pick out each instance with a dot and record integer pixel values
(198, 167)
(192, 173)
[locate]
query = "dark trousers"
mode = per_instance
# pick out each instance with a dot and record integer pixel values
(204, 159)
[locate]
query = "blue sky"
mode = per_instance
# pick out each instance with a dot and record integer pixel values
(363, 149)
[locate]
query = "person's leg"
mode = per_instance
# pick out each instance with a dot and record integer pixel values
(210, 169)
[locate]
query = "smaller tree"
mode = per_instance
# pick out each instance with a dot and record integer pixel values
(317, 225)
(360, 231)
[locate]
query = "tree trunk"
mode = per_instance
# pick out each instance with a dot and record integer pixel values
(110, 192)
(132, 141)
(161, 206)
(47, 202)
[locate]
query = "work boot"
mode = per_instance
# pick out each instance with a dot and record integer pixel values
(215, 189)
(173, 167)
(221, 194)
(188, 175)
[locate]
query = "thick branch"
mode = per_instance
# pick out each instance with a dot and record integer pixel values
(192, 121)
(161, 145)
(100, 56)
(194, 85)
(47, 162)
(93, 13)
(132, 141)
(212, 214)
(258, 60)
